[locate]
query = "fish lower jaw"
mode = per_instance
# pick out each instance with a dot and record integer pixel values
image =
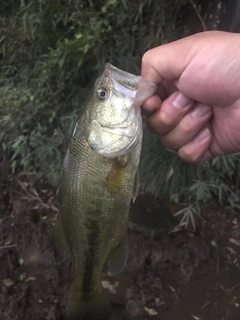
(120, 131)
(113, 142)
(121, 145)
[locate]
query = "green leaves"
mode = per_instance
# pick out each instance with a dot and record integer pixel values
(50, 54)
(166, 176)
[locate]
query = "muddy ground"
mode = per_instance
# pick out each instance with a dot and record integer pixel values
(170, 275)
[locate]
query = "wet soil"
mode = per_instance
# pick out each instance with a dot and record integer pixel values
(169, 275)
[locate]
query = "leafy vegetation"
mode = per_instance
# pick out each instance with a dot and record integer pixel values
(50, 54)
(217, 178)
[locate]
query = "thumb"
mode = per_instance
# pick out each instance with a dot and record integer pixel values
(167, 61)
(204, 66)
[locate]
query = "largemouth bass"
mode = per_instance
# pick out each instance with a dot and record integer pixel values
(99, 180)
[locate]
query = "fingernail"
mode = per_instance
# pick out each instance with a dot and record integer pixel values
(200, 111)
(202, 135)
(181, 101)
(146, 109)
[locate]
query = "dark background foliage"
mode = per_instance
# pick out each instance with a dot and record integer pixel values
(52, 51)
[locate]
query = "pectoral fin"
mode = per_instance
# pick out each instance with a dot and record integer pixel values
(118, 257)
(136, 186)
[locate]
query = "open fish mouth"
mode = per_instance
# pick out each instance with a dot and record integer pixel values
(131, 85)
(116, 126)
(124, 82)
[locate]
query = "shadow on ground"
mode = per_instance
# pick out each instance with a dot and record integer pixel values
(169, 276)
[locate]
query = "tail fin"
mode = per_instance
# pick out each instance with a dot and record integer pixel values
(97, 307)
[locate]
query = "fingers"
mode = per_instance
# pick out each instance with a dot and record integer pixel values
(154, 102)
(197, 150)
(181, 123)
(188, 127)
(151, 104)
(159, 63)
(199, 65)
(172, 110)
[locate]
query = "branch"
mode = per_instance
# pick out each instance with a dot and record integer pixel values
(199, 16)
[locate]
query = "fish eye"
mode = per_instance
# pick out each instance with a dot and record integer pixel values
(102, 93)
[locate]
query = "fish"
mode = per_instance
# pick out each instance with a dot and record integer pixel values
(98, 182)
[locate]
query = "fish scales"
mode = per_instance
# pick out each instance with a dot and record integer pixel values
(97, 185)
(93, 219)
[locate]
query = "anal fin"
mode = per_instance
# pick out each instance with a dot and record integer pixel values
(61, 249)
(119, 256)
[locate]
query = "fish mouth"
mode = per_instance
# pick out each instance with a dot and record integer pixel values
(118, 135)
(126, 79)
(131, 85)
(114, 141)
(119, 131)
(123, 81)
(129, 121)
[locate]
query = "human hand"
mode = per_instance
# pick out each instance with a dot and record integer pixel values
(197, 107)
